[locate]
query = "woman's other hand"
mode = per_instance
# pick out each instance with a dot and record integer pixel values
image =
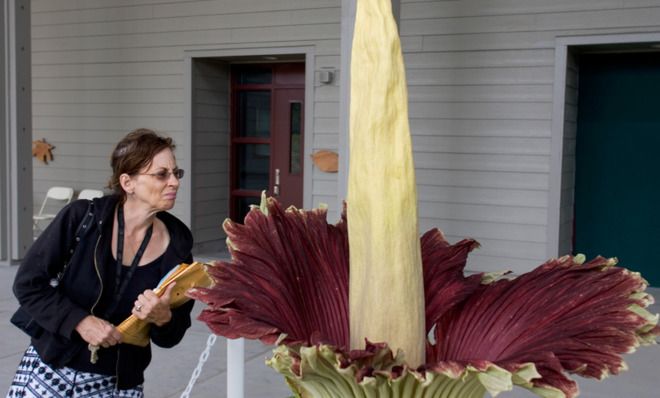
(151, 308)
(98, 332)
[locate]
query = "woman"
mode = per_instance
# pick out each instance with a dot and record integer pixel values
(117, 249)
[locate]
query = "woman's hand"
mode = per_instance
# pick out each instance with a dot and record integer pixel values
(151, 308)
(98, 332)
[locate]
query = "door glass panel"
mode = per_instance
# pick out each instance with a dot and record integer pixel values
(255, 76)
(243, 206)
(253, 162)
(296, 138)
(254, 114)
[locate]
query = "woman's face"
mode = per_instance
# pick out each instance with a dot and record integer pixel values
(156, 185)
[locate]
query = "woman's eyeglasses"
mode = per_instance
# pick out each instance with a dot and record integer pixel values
(164, 175)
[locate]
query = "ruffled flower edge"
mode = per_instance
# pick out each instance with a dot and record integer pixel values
(241, 303)
(322, 371)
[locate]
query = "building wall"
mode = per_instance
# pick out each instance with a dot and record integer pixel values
(102, 68)
(568, 159)
(210, 154)
(480, 76)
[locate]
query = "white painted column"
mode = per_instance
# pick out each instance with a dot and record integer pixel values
(235, 368)
(5, 242)
(15, 131)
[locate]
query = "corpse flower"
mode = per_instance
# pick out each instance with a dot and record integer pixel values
(287, 284)
(395, 316)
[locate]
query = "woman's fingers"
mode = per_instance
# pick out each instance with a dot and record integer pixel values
(151, 308)
(97, 331)
(166, 297)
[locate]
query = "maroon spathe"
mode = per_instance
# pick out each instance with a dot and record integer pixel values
(288, 282)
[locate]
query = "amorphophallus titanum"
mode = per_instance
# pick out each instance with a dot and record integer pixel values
(290, 280)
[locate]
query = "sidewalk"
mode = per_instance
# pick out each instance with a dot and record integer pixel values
(170, 370)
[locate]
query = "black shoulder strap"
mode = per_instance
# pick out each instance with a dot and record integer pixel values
(84, 225)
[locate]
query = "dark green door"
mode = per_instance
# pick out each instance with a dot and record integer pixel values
(617, 187)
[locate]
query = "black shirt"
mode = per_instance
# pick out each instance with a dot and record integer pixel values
(58, 311)
(145, 277)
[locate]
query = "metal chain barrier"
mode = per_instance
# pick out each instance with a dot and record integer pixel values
(200, 364)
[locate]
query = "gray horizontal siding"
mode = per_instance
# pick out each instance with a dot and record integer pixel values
(67, 11)
(210, 163)
(480, 82)
(212, 37)
(412, 9)
(101, 69)
(105, 96)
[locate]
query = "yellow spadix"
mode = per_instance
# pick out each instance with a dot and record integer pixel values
(386, 291)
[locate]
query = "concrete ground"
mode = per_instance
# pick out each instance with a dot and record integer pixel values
(171, 369)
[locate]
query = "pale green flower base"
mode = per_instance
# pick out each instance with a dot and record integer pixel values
(322, 377)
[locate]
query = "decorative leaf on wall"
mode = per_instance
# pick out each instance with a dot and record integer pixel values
(42, 150)
(326, 161)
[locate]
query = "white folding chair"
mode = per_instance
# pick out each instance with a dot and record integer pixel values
(90, 194)
(58, 194)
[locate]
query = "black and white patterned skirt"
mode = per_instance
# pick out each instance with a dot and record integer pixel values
(35, 379)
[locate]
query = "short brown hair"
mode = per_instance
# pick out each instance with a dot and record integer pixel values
(134, 152)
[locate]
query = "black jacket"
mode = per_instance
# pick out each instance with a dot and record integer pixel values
(59, 310)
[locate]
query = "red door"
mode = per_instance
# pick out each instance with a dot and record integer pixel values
(267, 135)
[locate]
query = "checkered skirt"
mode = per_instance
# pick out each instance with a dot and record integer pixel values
(35, 379)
